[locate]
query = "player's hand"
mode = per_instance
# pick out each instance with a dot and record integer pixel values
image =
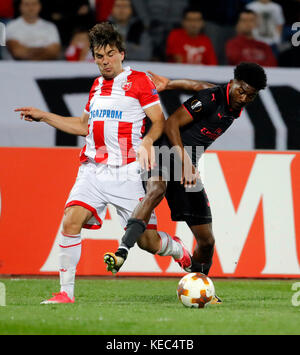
(31, 114)
(159, 81)
(146, 155)
(190, 174)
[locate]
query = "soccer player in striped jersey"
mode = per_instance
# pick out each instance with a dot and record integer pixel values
(116, 150)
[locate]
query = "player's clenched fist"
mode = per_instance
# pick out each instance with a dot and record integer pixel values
(31, 114)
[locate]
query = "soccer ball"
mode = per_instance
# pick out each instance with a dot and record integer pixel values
(195, 290)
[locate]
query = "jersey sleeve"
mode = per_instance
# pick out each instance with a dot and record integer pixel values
(201, 103)
(147, 95)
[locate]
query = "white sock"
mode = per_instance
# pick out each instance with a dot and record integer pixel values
(169, 246)
(70, 251)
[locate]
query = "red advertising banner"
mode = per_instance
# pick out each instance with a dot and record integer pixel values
(254, 197)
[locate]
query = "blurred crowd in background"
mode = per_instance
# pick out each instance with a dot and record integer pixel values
(214, 32)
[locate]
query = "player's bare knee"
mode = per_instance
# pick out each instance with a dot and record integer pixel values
(206, 240)
(71, 226)
(204, 235)
(71, 229)
(74, 219)
(210, 242)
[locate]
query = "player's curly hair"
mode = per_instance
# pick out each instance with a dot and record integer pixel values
(104, 34)
(252, 73)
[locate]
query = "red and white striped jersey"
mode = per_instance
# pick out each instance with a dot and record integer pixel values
(117, 118)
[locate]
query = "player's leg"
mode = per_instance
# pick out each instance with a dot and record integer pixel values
(70, 246)
(148, 239)
(155, 242)
(204, 250)
(192, 206)
(137, 223)
(69, 252)
(163, 244)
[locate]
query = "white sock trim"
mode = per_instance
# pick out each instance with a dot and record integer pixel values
(68, 241)
(169, 247)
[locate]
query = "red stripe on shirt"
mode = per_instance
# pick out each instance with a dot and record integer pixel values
(106, 87)
(83, 158)
(125, 142)
(141, 88)
(92, 94)
(101, 151)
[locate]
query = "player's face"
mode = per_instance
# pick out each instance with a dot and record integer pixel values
(240, 94)
(109, 60)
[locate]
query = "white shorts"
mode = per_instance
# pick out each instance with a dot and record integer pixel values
(98, 185)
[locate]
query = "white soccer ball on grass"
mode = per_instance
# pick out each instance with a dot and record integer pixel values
(195, 290)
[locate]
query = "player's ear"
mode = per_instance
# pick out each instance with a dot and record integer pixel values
(122, 55)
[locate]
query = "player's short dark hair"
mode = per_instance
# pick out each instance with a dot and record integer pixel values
(252, 73)
(103, 34)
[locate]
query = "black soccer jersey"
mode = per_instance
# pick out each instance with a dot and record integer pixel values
(211, 115)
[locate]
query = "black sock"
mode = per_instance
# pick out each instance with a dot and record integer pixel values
(134, 229)
(122, 253)
(201, 267)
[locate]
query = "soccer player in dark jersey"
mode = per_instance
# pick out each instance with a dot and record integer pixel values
(197, 123)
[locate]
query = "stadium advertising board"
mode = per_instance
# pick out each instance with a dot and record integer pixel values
(254, 197)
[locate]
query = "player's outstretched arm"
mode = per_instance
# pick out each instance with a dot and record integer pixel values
(162, 83)
(73, 125)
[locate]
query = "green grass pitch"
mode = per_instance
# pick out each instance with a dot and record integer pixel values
(125, 306)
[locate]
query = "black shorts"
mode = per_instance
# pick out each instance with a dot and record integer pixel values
(188, 205)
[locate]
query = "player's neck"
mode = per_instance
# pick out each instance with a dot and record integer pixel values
(114, 76)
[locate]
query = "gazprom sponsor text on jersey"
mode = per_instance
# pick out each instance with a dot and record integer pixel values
(114, 114)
